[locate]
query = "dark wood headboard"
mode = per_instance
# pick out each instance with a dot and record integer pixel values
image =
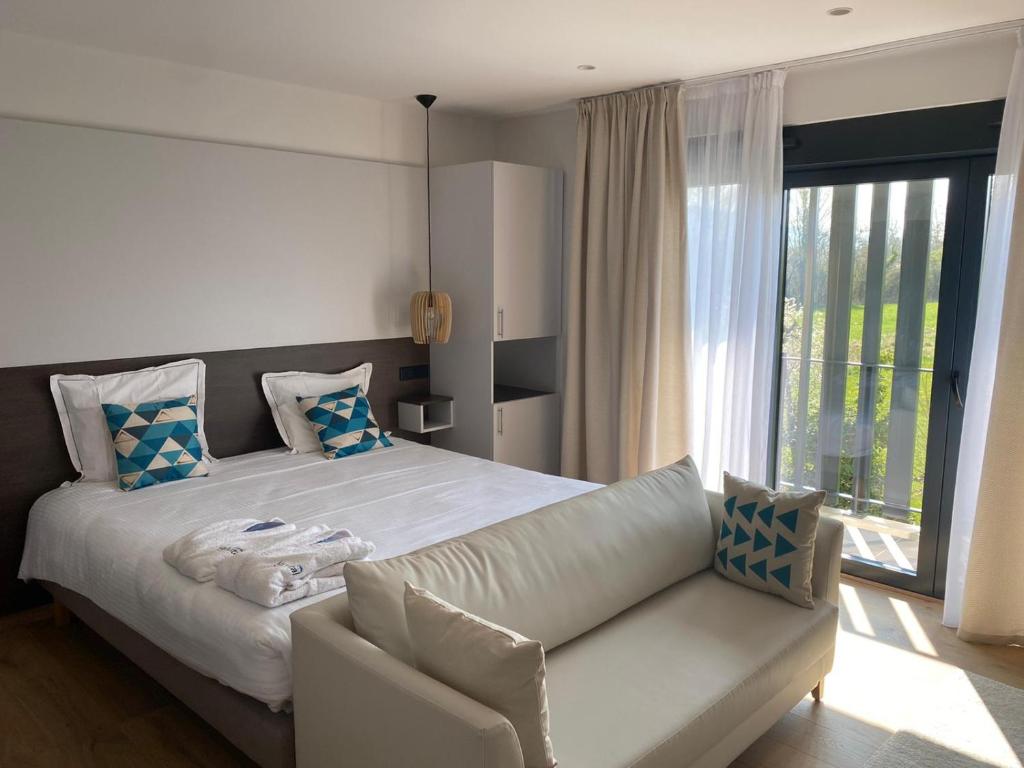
(33, 458)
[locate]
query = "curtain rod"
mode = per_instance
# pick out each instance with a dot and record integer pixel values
(895, 45)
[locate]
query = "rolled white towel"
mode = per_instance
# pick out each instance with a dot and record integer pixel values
(281, 574)
(197, 554)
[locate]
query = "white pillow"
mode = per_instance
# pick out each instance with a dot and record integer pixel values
(78, 398)
(496, 666)
(282, 391)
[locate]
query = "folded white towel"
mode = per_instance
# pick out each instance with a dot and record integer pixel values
(281, 573)
(197, 554)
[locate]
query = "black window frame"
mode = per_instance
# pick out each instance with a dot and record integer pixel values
(956, 141)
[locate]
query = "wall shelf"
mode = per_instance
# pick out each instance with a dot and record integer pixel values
(426, 413)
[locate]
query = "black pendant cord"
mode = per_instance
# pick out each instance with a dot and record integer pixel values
(426, 100)
(430, 271)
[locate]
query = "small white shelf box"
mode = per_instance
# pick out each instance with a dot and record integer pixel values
(426, 413)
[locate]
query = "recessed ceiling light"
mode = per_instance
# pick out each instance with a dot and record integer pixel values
(585, 67)
(840, 11)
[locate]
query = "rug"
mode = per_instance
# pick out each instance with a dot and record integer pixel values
(982, 728)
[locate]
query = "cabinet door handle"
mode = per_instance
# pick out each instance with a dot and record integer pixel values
(501, 322)
(501, 421)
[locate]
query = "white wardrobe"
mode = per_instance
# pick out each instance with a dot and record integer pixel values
(497, 249)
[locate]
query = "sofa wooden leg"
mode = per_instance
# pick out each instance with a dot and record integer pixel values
(819, 690)
(61, 615)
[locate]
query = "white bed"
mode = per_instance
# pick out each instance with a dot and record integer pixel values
(106, 544)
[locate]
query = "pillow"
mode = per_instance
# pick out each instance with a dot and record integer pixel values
(282, 389)
(78, 399)
(343, 422)
(766, 541)
(496, 666)
(155, 442)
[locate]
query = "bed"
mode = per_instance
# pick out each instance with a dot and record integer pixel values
(98, 543)
(98, 550)
(106, 545)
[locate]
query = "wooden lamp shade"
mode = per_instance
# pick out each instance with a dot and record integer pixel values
(430, 313)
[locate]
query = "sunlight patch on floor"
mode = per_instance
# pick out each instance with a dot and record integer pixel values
(849, 600)
(915, 632)
(909, 688)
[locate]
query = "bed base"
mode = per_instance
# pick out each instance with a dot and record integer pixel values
(268, 738)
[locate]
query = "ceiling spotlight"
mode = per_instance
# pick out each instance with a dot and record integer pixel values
(840, 11)
(585, 67)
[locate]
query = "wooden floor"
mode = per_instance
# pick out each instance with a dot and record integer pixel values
(896, 668)
(68, 699)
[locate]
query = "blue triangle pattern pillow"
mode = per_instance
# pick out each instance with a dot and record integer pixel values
(766, 540)
(155, 442)
(343, 422)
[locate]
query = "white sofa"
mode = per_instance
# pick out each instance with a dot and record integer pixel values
(653, 658)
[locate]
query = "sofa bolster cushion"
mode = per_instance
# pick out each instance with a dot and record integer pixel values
(554, 573)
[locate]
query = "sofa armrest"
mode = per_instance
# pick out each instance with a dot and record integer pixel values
(828, 559)
(356, 705)
(828, 549)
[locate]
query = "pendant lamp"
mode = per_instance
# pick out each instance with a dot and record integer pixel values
(430, 311)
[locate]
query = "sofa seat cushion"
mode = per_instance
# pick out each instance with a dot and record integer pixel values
(665, 681)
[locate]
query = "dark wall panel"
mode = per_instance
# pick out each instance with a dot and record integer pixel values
(33, 458)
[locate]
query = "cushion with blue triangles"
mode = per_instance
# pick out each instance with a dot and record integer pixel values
(155, 442)
(343, 422)
(766, 539)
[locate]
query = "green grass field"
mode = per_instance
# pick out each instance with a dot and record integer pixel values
(882, 383)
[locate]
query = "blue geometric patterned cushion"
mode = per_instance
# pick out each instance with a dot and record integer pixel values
(343, 422)
(155, 442)
(767, 539)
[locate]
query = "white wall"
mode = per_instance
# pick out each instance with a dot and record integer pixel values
(547, 139)
(266, 247)
(121, 245)
(975, 68)
(49, 80)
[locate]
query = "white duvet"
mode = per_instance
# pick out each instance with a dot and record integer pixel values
(106, 544)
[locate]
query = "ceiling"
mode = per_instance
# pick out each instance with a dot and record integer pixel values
(485, 56)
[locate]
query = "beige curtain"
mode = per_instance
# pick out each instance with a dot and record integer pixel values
(993, 602)
(627, 335)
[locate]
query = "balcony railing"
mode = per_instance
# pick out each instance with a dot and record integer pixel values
(859, 325)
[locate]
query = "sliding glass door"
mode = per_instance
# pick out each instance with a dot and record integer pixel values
(880, 275)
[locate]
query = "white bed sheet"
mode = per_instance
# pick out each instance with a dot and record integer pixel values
(107, 544)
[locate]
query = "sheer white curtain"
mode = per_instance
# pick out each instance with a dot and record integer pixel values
(984, 581)
(734, 214)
